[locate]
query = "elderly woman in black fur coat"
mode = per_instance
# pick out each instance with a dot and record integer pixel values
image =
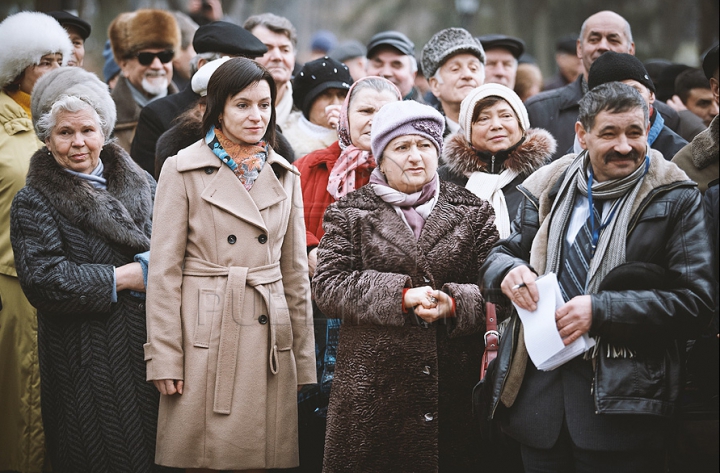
(76, 227)
(398, 264)
(495, 150)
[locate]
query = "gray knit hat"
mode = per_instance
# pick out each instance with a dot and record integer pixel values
(467, 107)
(447, 43)
(405, 118)
(26, 37)
(76, 82)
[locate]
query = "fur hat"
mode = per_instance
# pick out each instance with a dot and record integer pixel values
(467, 107)
(26, 38)
(612, 67)
(447, 43)
(317, 76)
(143, 29)
(77, 82)
(405, 118)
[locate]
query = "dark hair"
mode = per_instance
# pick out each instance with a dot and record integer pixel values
(688, 80)
(613, 97)
(236, 75)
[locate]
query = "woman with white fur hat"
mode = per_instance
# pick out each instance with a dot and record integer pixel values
(495, 150)
(32, 44)
(80, 230)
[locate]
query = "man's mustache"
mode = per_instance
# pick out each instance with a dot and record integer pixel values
(615, 156)
(155, 73)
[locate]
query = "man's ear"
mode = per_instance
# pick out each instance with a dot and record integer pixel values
(580, 132)
(434, 86)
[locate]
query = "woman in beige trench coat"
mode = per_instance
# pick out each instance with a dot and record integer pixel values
(230, 335)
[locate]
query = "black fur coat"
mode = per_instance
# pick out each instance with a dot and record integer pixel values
(99, 413)
(400, 400)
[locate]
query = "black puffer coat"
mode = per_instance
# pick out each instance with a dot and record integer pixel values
(98, 411)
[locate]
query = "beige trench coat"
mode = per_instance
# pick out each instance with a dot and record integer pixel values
(228, 312)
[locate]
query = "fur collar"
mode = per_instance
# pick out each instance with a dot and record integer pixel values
(535, 151)
(121, 215)
(705, 146)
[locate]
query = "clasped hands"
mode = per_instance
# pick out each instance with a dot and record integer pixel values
(428, 304)
(573, 318)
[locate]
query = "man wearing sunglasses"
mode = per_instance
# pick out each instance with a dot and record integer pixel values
(143, 44)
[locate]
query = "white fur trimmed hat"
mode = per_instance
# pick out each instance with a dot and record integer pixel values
(467, 107)
(447, 43)
(26, 37)
(143, 29)
(76, 82)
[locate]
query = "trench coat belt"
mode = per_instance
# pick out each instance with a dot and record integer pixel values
(238, 277)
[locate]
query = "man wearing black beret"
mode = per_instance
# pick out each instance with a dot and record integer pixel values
(211, 41)
(501, 58)
(78, 30)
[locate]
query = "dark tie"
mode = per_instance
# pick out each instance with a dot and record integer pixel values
(574, 270)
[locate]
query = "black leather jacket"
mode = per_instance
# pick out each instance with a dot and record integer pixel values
(665, 298)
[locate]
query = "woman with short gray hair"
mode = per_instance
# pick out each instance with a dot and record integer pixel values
(78, 229)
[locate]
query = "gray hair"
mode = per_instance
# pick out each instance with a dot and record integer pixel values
(628, 31)
(276, 24)
(209, 56)
(377, 84)
(65, 104)
(613, 97)
(187, 28)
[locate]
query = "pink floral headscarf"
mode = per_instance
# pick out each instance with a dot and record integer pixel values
(342, 176)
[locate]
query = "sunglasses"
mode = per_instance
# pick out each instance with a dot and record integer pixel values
(147, 58)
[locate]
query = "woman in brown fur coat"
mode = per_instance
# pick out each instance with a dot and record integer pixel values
(495, 150)
(398, 264)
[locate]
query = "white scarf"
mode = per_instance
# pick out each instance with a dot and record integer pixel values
(489, 187)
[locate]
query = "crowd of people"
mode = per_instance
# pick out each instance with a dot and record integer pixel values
(219, 259)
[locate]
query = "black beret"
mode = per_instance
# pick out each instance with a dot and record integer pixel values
(710, 62)
(317, 76)
(394, 39)
(612, 66)
(516, 46)
(65, 18)
(227, 38)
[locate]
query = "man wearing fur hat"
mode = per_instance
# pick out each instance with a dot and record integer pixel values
(143, 44)
(454, 63)
(32, 45)
(624, 231)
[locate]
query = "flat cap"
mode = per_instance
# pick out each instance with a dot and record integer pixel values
(65, 18)
(227, 38)
(348, 50)
(516, 46)
(393, 39)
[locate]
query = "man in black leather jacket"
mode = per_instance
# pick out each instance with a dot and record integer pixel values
(648, 289)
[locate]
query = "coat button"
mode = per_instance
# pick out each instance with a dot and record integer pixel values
(429, 417)
(426, 370)
(262, 319)
(232, 239)
(83, 299)
(262, 238)
(209, 170)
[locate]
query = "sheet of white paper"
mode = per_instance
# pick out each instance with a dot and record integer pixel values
(542, 339)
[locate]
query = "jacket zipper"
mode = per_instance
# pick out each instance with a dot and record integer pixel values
(502, 386)
(492, 165)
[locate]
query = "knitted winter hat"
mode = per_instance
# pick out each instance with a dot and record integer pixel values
(617, 67)
(77, 82)
(467, 107)
(201, 78)
(447, 43)
(317, 76)
(405, 118)
(710, 62)
(143, 29)
(26, 38)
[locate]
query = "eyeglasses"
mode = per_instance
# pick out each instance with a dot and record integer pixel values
(147, 58)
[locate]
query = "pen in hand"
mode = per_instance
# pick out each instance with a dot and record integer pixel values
(518, 286)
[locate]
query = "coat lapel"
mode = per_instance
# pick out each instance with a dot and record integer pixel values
(227, 192)
(267, 190)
